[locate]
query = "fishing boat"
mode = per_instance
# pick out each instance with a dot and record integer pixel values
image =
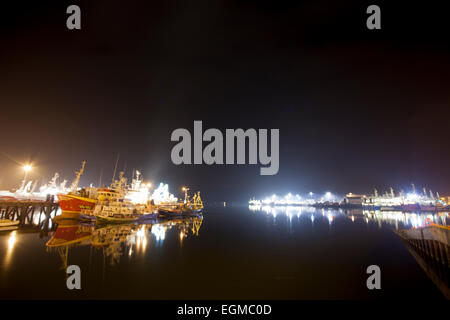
(76, 200)
(192, 207)
(118, 210)
(409, 202)
(418, 207)
(410, 207)
(390, 208)
(178, 211)
(117, 218)
(8, 199)
(171, 212)
(71, 203)
(6, 224)
(87, 203)
(113, 206)
(428, 208)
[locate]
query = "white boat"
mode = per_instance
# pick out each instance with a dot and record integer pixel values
(113, 206)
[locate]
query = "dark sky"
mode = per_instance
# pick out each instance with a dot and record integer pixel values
(356, 108)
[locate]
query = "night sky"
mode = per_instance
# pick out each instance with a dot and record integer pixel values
(356, 108)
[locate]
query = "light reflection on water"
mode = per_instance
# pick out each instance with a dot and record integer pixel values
(11, 242)
(112, 240)
(397, 219)
(115, 240)
(239, 253)
(424, 235)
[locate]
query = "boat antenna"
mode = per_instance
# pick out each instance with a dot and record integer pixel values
(100, 178)
(115, 167)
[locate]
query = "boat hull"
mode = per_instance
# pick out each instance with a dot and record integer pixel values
(410, 207)
(115, 219)
(74, 204)
(178, 212)
(391, 208)
(6, 223)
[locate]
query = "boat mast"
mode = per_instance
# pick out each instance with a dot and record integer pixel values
(115, 168)
(100, 178)
(78, 174)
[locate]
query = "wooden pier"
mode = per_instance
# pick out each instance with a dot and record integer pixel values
(26, 210)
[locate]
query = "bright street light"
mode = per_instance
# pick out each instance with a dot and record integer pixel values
(26, 168)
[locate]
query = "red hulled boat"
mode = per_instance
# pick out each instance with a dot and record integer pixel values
(69, 233)
(75, 201)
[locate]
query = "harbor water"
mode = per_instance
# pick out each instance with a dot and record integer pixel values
(232, 253)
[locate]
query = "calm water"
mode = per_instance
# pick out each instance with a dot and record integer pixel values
(233, 252)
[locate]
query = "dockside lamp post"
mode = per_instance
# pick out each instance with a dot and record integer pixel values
(185, 194)
(27, 168)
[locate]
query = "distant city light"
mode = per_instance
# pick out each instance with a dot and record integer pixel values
(412, 196)
(389, 200)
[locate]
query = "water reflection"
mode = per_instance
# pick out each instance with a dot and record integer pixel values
(396, 219)
(292, 212)
(113, 241)
(12, 235)
(400, 219)
(426, 236)
(266, 245)
(11, 242)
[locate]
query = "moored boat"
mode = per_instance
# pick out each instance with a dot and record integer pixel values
(6, 224)
(179, 211)
(8, 199)
(113, 206)
(169, 212)
(117, 218)
(74, 204)
(190, 207)
(76, 200)
(428, 208)
(412, 207)
(387, 208)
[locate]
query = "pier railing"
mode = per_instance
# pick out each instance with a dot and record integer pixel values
(430, 248)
